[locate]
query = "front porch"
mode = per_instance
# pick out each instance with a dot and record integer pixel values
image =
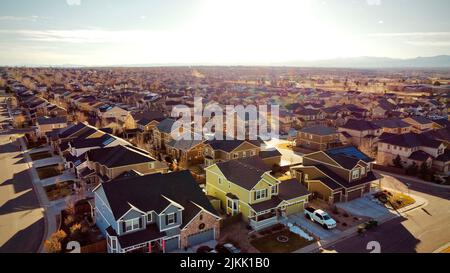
(265, 219)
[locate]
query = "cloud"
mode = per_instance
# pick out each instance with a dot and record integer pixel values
(32, 18)
(73, 2)
(373, 2)
(409, 34)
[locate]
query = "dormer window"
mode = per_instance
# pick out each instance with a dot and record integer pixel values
(355, 174)
(171, 218)
(274, 190)
(132, 224)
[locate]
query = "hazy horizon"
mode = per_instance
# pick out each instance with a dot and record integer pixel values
(213, 32)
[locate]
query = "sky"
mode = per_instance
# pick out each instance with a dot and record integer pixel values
(119, 32)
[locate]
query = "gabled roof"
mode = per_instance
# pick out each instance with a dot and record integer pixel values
(421, 119)
(347, 156)
(245, 172)
(165, 125)
(72, 130)
(102, 141)
(230, 145)
(48, 120)
(117, 156)
(360, 125)
(410, 140)
(144, 118)
(183, 144)
(290, 189)
(391, 123)
(152, 193)
(318, 130)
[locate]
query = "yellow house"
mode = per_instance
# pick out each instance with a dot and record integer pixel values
(245, 186)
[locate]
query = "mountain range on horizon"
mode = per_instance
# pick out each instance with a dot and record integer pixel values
(440, 61)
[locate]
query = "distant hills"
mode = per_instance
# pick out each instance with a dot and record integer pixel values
(441, 61)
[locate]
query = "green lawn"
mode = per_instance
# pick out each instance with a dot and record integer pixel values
(40, 155)
(269, 243)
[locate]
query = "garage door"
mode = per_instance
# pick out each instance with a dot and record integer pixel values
(294, 208)
(354, 194)
(336, 197)
(201, 237)
(171, 244)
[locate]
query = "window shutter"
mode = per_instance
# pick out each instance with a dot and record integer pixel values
(167, 219)
(254, 195)
(140, 222)
(175, 217)
(124, 229)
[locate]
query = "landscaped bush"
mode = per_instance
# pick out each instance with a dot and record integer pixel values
(204, 249)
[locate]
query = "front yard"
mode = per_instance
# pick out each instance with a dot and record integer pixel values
(283, 241)
(395, 200)
(59, 190)
(40, 155)
(48, 171)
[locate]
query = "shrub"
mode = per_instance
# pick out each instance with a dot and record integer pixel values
(345, 214)
(204, 249)
(53, 244)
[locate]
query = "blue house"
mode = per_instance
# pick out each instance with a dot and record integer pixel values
(154, 213)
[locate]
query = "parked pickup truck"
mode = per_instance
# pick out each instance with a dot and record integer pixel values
(321, 217)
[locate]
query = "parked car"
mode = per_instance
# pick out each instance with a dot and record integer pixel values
(232, 248)
(321, 217)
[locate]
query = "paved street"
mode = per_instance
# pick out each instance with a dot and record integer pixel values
(21, 217)
(421, 230)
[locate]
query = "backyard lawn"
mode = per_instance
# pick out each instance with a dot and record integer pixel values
(59, 190)
(40, 155)
(270, 244)
(48, 171)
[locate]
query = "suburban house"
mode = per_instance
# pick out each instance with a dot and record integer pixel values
(186, 152)
(81, 145)
(308, 117)
(362, 134)
(145, 122)
(245, 186)
(393, 126)
(410, 147)
(336, 175)
(419, 123)
(105, 164)
(111, 112)
(47, 124)
(318, 138)
(162, 133)
(224, 150)
(154, 213)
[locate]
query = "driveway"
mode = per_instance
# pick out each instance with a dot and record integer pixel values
(314, 228)
(366, 207)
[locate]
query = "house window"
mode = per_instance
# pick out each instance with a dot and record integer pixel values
(355, 174)
(252, 152)
(260, 194)
(171, 219)
(220, 180)
(363, 171)
(132, 224)
(310, 136)
(389, 146)
(235, 155)
(274, 190)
